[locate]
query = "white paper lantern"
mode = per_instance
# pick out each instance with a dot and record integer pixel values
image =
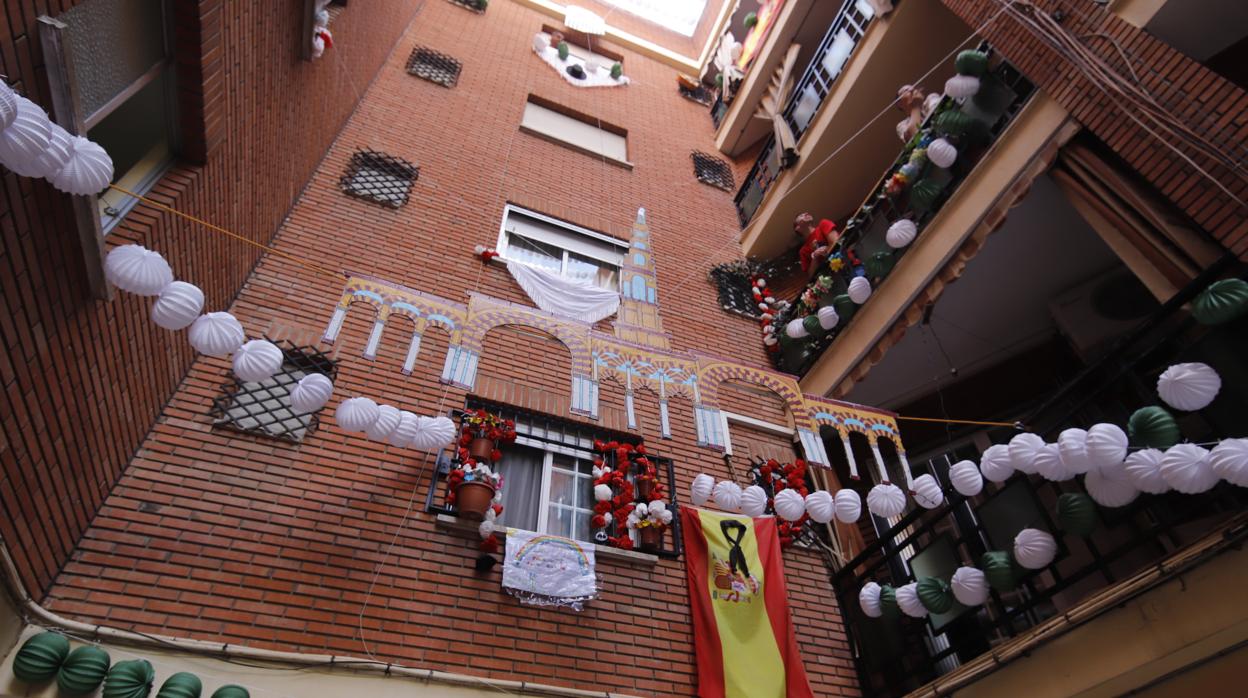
(1186, 468)
(828, 317)
(216, 334)
(257, 361)
(969, 585)
(927, 491)
(311, 393)
(869, 600)
(901, 233)
(23, 142)
(859, 290)
(1143, 470)
(996, 463)
(1072, 444)
(962, 86)
(1034, 549)
(908, 601)
(965, 477)
(886, 501)
(796, 329)
(700, 490)
(138, 270)
(1023, 449)
(54, 157)
(820, 506)
(8, 105)
(1109, 492)
(178, 306)
(88, 170)
(790, 505)
(1049, 465)
(848, 506)
(1229, 461)
(388, 418)
(1189, 387)
(433, 434)
(942, 153)
(356, 414)
(540, 43)
(405, 431)
(728, 495)
(1106, 447)
(754, 501)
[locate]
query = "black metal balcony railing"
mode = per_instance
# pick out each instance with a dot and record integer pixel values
(838, 44)
(1003, 93)
(893, 660)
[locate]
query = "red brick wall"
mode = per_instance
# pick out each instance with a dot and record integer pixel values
(84, 380)
(212, 534)
(1205, 101)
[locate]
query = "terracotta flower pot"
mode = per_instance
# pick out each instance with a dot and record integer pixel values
(651, 537)
(481, 448)
(472, 499)
(645, 488)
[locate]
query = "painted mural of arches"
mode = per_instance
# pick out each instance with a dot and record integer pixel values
(575, 338)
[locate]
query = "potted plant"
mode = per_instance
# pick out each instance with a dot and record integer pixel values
(650, 520)
(474, 488)
(482, 433)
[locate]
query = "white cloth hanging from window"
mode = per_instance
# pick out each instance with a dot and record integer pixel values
(545, 570)
(554, 293)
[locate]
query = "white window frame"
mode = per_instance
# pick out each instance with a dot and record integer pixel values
(569, 232)
(727, 418)
(549, 450)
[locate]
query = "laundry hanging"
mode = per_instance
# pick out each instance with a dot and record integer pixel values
(554, 293)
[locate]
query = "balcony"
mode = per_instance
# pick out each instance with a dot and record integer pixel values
(984, 120)
(843, 141)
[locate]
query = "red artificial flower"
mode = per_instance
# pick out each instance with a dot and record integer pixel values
(598, 521)
(490, 544)
(599, 446)
(496, 455)
(498, 509)
(641, 448)
(602, 507)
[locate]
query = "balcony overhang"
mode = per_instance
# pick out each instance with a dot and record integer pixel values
(974, 210)
(894, 50)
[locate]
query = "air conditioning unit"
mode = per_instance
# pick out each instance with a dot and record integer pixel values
(1093, 314)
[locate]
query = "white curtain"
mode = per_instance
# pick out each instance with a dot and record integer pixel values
(572, 298)
(521, 468)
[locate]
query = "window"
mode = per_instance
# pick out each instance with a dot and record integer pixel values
(540, 241)
(433, 66)
(712, 170)
(548, 489)
(263, 408)
(577, 131)
(120, 55)
(380, 178)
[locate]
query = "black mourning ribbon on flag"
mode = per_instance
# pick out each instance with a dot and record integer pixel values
(736, 557)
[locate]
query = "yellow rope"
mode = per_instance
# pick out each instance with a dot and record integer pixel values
(337, 275)
(1016, 425)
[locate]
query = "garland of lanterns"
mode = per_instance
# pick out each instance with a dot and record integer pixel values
(793, 504)
(32, 145)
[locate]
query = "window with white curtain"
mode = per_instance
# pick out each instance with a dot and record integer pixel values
(577, 253)
(547, 490)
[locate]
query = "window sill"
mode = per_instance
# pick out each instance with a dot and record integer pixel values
(572, 146)
(632, 557)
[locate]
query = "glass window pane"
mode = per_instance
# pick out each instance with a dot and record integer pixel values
(562, 488)
(580, 529)
(559, 522)
(112, 43)
(592, 271)
(534, 254)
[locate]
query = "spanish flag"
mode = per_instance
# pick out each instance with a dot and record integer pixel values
(742, 635)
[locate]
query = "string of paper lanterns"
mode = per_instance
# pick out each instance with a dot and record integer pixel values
(790, 505)
(31, 145)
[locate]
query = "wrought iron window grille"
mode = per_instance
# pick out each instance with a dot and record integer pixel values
(434, 66)
(263, 408)
(712, 170)
(699, 94)
(380, 178)
(735, 285)
(477, 6)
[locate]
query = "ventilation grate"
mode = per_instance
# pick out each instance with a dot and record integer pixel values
(713, 171)
(263, 408)
(380, 178)
(474, 5)
(433, 66)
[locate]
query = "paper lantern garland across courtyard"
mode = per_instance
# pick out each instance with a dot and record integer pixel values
(31, 145)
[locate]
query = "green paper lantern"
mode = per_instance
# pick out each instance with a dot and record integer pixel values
(844, 307)
(719, 80)
(563, 50)
(880, 264)
(923, 195)
(811, 323)
(83, 670)
(999, 570)
(617, 71)
(1076, 513)
(40, 657)
(935, 595)
(181, 685)
(1153, 427)
(954, 122)
(751, 19)
(971, 63)
(888, 603)
(129, 679)
(1221, 302)
(231, 691)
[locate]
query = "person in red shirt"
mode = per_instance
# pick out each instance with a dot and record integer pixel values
(817, 240)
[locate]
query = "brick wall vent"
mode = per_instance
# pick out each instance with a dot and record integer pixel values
(263, 408)
(433, 66)
(477, 6)
(712, 170)
(380, 178)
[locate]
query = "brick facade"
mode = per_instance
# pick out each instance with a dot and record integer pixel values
(216, 535)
